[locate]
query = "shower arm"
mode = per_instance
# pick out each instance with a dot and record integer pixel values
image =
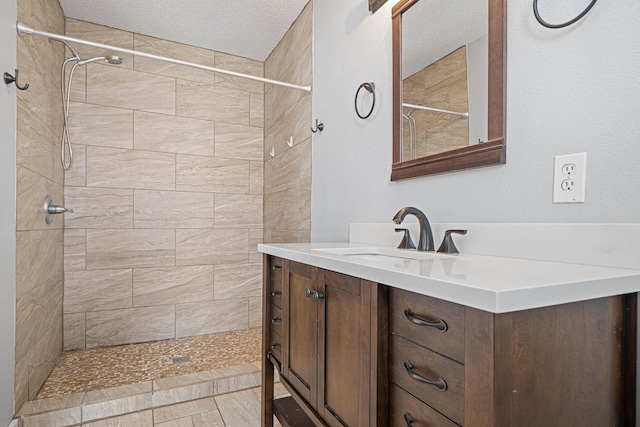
(24, 30)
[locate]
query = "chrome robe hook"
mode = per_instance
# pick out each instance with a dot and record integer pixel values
(8, 79)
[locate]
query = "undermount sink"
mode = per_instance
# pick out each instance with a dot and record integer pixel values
(380, 254)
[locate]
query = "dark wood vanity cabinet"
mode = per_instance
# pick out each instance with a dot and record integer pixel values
(356, 353)
(330, 347)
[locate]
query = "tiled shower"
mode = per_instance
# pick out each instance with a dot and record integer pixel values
(173, 186)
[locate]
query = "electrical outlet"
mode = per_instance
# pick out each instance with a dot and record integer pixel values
(569, 178)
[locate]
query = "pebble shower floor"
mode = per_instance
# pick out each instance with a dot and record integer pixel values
(99, 368)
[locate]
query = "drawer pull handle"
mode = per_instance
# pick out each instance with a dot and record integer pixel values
(276, 268)
(276, 347)
(408, 419)
(276, 294)
(276, 320)
(439, 325)
(442, 386)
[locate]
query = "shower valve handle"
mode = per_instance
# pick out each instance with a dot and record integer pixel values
(55, 209)
(50, 209)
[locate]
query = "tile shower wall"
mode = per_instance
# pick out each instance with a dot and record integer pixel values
(444, 85)
(167, 192)
(39, 247)
(287, 177)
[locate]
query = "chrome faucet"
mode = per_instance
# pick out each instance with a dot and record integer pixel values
(426, 236)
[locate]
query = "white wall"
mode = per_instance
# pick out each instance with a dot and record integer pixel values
(568, 91)
(8, 216)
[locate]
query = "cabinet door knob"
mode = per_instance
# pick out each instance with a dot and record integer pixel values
(408, 419)
(276, 294)
(276, 268)
(308, 293)
(439, 324)
(439, 383)
(276, 320)
(317, 296)
(276, 347)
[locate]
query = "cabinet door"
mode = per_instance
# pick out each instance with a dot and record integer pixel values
(345, 349)
(300, 329)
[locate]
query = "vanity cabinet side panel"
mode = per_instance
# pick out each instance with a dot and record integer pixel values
(479, 368)
(560, 365)
(344, 349)
(300, 330)
(267, 367)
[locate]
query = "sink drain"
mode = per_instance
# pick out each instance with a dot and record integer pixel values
(181, 359)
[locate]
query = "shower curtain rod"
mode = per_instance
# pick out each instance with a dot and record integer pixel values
(24, 30)
(435, 110)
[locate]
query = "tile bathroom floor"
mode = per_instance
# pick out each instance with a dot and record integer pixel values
(238, 409)
(106, 367)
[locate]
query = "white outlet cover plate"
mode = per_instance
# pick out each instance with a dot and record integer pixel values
(578, 191)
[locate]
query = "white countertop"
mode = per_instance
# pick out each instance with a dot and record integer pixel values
(494, 284)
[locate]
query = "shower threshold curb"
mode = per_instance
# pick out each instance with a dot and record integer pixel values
(86, 407)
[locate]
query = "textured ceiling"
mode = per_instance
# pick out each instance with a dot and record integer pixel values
(432, 29)
(247, 28)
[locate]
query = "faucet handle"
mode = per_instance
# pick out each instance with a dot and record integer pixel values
(406, 243)
(447, 246)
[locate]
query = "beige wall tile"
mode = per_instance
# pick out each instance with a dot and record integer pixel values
(157, 286)
(238, 142)
(210, 317)
(43, 356)
(238, 64)
(37, 146)
(123, 88)
(100, 34)
(173, 134)
(36, 311)
(256, 109)
(238, 211)
(73, 331)
(23, 263)
(237, 281)
(32, 189)
(74, 250)
(111, 249)
(211, 247)
(98, 208)
(174, 50)
(256, 178)
(170, 209)
(138, 419)
(289, 169)
(97, 290)
(255, 312)
(102, 126)
(21, 382)
(288, 236)
(77, 175)
(289, 209)
(130, 325)
(255, 238)
(204, 174)
(46, 255)
(215, 103)
(120, 168)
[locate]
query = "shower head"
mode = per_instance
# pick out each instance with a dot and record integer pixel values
(111, 59)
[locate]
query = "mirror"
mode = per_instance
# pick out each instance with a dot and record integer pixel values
(448, 78)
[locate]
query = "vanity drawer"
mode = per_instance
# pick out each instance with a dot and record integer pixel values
(430, 322)
(406, 410)
(275, 280)
(276, 319)
(424, 364)
(275, 343)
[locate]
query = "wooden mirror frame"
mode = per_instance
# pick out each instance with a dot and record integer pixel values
(491, 152)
